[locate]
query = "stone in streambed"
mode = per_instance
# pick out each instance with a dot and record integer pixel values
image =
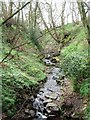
(52, 107)
(51, 104)
(32, 113)
(27, 111)
(41, 90)
(47, 101)
(52, 96)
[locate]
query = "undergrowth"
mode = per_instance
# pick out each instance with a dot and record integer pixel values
(20, 71)
(74, 61)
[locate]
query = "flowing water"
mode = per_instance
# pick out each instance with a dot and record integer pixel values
(44, 103)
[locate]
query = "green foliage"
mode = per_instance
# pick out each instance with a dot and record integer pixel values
(84, 87)
(22, 72)
(32, 34)
(75, 62)
(87, 112)
(16, 77)
(9, 100)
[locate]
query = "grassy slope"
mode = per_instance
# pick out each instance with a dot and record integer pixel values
(20, 73)
(74, 61)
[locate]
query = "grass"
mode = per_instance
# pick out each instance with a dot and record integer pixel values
(74, 60)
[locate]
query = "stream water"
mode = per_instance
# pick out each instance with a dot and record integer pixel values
(46, 101)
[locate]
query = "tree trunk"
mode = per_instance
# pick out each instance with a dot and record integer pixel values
(62, 15)
(18, 18)
(10, 8)
(22, 14)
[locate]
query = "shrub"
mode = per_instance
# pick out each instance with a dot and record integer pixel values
(87, 112)
(84, 87)
(74, 63)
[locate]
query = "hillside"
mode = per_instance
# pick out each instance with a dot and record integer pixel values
(22, 69)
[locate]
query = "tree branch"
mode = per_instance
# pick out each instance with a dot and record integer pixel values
(14, 14)
(20, 46)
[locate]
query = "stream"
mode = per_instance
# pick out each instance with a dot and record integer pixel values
(46, 103)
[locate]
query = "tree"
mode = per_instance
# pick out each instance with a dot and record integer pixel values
(52, 21)
(72, 10)
(84, 19)
(22, 13)
(18, 18)
(10, 7)
(45, 24)
(14, 13)
(62, 15)
(86, 24)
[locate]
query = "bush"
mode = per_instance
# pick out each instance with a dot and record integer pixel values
(76, 67)
(74, 62)
(84, 87)
(87, 112)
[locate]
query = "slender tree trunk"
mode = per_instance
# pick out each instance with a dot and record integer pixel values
(10, 8)
(4, 10)
(35, 15)
(53, 23)
(30, 9)
(18, 18)
(72, 11)
(62, 15)
(22, 14)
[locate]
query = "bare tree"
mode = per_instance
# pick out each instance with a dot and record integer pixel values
(45, 24)
(86, 24)
(14, 13)
(72, 11)
(30, 13)
(18, 18)
(62, 14)
(52, 21)
(23, 13)
(4, 10)
(35, 14)
(84, 19)
(10, 8)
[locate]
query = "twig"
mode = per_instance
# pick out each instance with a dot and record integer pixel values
(19, 109)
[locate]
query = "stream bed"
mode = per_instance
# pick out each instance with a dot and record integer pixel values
(46, 103)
